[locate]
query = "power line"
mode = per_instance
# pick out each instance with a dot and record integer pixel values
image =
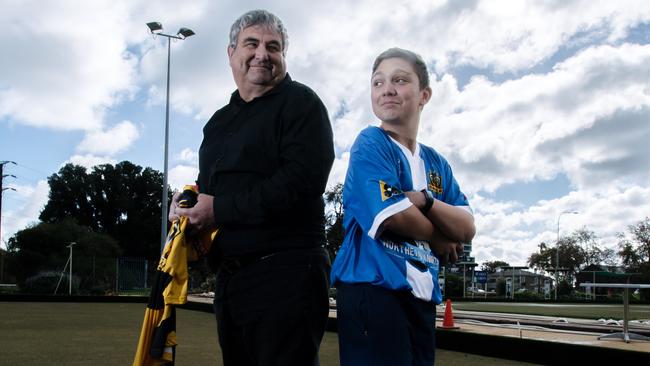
(31, 175)
(32, 169)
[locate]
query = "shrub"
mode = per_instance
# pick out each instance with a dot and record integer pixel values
(528, 295)
(210, 283)
(45, 283)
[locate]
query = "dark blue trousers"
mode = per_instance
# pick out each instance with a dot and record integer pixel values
(378, 326)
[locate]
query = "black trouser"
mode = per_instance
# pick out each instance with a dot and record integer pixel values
(381, 327)
(273, 311)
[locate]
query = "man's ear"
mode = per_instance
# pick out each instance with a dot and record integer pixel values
(230, 51)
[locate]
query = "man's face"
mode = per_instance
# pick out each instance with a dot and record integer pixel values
(395, 91)
(257, 61)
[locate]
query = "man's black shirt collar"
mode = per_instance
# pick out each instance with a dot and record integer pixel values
(236, 99)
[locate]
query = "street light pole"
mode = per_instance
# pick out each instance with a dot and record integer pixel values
(156, 29)
(163, 222)
(557, 249)
(70, 276)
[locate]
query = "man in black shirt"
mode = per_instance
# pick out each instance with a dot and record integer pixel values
(263, 167)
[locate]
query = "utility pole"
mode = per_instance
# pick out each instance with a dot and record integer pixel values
(2, 189)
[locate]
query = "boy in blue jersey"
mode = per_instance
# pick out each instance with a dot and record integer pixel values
(404, 216)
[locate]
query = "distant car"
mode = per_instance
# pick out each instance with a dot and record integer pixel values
(475, 290)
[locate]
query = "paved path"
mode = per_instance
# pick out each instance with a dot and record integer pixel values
(535, 332)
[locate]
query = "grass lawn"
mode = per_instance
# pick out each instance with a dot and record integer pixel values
(588, 311)
(107, 333)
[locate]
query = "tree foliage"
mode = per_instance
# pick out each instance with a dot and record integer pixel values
(576, 251)
(635, 244)
(453, 285)
(123, 201)
(491, 266)
(44, 247)
(635, 251)
(334, 219)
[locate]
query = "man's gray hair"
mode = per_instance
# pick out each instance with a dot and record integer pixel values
(411, 57)
(258, 17)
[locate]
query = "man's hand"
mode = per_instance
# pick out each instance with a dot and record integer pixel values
(446, 249)
(173, 207)
(201, 216)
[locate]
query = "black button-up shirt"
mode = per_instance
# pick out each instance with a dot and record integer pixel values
(266, 162)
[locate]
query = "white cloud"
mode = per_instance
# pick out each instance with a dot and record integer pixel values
(201, 81)
(33, 199)
(68, 62)
(181, 175)
(111, 141)
(585, 118)
(339, 169)
(189, 156)
(516, 234)
(511, 37)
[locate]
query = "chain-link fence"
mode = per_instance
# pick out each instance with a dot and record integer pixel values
(132, 276)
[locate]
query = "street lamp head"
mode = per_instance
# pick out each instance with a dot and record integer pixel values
(185, 32)
(155, 27)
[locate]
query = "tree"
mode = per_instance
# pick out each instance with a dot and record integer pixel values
(69, 197)
(543, 259)
(453, 285)
(575, 251)
(123, 201)
(491, 266)
(44, 247)
(594, 254)
(630, 257)
(334, 219)
(635, 244)
(635, 251)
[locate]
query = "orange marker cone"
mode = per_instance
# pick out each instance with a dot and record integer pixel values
(448, 321)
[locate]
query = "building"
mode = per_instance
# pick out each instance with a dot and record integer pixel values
(603, 274)
(517, 279)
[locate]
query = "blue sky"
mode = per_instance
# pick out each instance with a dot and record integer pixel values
(540, 107)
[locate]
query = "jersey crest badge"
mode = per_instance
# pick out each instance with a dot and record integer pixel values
(434, 182)
(387, 191)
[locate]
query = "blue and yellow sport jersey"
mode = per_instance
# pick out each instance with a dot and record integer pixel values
(380, 170)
